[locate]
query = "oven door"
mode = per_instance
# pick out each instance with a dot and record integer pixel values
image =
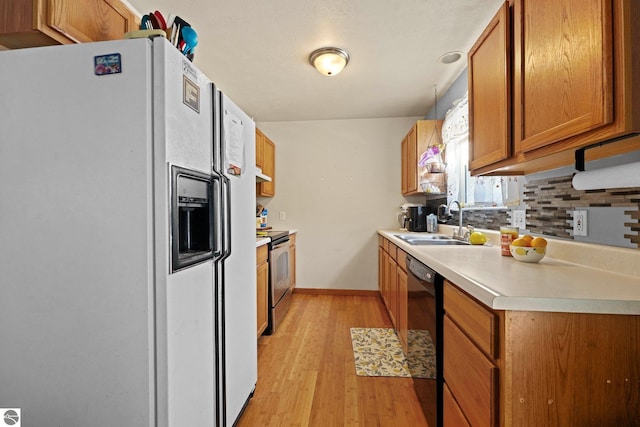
(279, 274)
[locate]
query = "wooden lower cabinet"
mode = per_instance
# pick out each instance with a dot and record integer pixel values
(452, 414)
(470, 376)
(262, 288)
(523, 368)
(392, 283)
(402, 301)
(572, 369)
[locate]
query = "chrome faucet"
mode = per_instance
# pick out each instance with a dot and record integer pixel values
(459, 234)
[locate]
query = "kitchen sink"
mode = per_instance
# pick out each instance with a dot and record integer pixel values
(434, 239)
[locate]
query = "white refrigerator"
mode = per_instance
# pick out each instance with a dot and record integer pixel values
(98, 325)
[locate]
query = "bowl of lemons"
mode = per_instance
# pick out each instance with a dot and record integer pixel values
(528, 248)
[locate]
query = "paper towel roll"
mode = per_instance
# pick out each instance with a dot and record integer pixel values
(621, 176)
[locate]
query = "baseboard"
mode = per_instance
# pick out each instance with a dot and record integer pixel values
(338, 292)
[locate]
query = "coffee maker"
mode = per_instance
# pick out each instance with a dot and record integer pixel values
(416, 218)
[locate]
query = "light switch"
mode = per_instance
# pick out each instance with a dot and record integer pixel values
(518, 218)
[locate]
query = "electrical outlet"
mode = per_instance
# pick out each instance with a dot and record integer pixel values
(518, 218)
(579, 223)
(283, 215)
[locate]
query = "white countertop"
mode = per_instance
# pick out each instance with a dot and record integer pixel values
(553, 284)
(265, 240)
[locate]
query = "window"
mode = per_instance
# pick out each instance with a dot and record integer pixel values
(471, 190)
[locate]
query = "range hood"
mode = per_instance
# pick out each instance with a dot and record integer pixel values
(260, 177)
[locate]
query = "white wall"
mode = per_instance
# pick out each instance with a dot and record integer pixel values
(337, 181)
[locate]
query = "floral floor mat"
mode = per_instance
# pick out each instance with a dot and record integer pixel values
(378, 353)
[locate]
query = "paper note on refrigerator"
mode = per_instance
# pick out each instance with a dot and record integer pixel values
(234, 143)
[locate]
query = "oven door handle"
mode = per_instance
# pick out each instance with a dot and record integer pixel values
(280, 245)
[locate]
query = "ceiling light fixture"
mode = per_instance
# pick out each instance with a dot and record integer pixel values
(329, 60)
(450, 57)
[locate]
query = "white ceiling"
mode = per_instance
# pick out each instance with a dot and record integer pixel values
(257, 52)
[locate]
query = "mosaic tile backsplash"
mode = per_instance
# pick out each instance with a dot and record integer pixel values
(550, 203)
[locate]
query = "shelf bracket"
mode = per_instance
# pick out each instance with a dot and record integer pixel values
(579, 154)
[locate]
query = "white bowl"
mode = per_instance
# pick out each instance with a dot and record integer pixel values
(527, 254)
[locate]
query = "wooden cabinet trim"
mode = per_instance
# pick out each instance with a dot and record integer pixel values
(402, 308)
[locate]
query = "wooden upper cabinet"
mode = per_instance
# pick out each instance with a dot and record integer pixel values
(29, 23)
(490, 93)
(266, 159)
(575, 82)
(259, 148)
(564, 61)
(410, 163)
(421, 135)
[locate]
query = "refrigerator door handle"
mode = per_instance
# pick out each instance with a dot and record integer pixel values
(226, 218)
(218, 228)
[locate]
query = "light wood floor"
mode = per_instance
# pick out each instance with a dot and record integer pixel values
(306, 373)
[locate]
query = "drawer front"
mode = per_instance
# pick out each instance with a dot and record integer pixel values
(452, 414)
(385, 245)
(479, 323)
(470, 376)
(401, 259)
(393, 250)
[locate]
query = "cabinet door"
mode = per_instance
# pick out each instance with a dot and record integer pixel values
(110, 19)
(412, 162)
(384, 276)
(268, 189)
(490, 93)
(402, 304)
(452, 414)
(262, 289)
(470, 376)
(563, 69)
(403, 166)
(29, 23)
(392, 290)
(259, 148)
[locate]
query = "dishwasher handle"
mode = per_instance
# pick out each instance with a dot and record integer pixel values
(421, 271)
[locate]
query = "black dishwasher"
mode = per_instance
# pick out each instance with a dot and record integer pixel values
(424, 355)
